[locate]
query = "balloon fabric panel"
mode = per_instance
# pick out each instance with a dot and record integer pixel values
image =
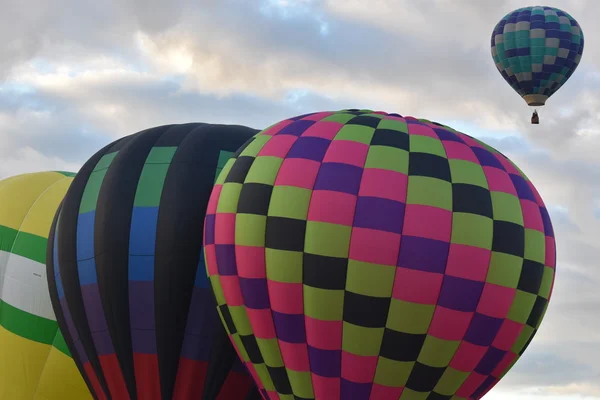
(35, 362)
(128, 275)
(537, 49)
(364, 255)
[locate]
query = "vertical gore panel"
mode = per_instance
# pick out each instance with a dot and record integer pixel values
(111, 240)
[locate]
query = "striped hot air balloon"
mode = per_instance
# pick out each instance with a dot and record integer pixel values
(126, 272)
(35, 362)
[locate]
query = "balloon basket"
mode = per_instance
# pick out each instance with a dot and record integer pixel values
(535, 119)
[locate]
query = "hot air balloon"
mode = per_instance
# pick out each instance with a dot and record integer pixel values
(364, 255)
(537, 49)
(34, 360)
(126, 272)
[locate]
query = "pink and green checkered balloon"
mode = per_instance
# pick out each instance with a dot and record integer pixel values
(364, 255)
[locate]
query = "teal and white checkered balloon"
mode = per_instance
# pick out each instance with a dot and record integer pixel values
(537, 49)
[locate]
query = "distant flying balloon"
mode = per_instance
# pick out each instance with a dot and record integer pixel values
(34, 360)
(126, 271)
(363, 255)
(537, 49)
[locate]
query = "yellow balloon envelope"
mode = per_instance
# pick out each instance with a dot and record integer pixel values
(34, 360)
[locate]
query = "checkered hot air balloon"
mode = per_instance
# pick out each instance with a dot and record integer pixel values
(537, 49)
(362, 255)
(126, 271)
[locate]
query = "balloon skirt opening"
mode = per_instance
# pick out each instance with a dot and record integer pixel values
(535, 100)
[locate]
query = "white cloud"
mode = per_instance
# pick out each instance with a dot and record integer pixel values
(26, 159)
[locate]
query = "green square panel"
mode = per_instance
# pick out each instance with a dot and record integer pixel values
(326, 239)
(289, 202)
(463, 171)
(370, 279)
(450, 381)
(301, 382)
(217, 173)
(408, 317)
(429, 191)
(392, 373)
(342, 118)
(523, 338)
(507, 207)
(269, 349)
(504, 270)
(389, 158)
(360, 340)
(472, 230)
(264, 376)
(521, 307)
(240, 319)
(394, 125)
(355, 133)
(229, 197)
(535, 246)
(437, 352)
(250, 229)
(315, 300)
(284, 265)
(426, 144)
(409, 394)
(264, 170)
(546, 285)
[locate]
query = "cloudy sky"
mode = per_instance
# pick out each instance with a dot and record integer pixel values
(75, 75)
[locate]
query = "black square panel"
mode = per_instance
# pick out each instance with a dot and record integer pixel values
(365, 120)
(366, 311)
(254, 198)
(239, 170)
(390, 138)
(509, 238)
(472, 199)
(424, 378)
(531, 277)
(431, 165)
(324, 272)
(401, 346)
(285, 233)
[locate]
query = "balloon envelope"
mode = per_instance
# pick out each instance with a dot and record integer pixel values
(34, 360)
(126, 272)
(363, 255)
(537, 49)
